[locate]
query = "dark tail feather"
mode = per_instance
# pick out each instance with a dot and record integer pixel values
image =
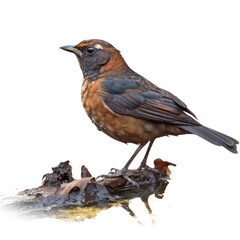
(213, 136)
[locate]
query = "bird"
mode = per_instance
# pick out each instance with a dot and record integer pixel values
(128, 107)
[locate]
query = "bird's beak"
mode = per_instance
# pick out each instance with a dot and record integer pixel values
(72, 49)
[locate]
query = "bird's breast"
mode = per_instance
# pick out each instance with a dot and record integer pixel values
(123, 128)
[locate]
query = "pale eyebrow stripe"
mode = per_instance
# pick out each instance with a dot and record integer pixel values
(98, 46)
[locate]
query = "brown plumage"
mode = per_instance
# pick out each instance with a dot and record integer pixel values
(128, 107)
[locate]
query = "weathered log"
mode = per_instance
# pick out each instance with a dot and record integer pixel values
(59, 188)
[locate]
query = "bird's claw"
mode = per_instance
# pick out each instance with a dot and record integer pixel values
(114, 172)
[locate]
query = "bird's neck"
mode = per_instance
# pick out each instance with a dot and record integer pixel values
(89, 74)
(114, 66)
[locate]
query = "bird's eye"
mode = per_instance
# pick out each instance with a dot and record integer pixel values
(91, 50)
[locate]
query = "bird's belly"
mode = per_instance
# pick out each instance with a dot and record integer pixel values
(122, 127)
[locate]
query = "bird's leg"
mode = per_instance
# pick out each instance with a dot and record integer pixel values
(144, 161)
(133, 156)
(123, 172)
(116, 173)
(142, 165)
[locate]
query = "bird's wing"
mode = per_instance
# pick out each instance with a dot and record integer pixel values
(140, 98)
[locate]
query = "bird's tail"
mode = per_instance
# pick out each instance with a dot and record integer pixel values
(213, 136)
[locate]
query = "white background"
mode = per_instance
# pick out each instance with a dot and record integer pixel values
(190, 48)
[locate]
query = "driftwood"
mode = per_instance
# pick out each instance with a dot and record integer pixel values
(60, 190)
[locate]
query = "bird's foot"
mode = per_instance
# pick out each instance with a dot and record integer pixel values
(114, 172)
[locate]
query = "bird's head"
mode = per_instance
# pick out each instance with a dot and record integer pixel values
(97, 58)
